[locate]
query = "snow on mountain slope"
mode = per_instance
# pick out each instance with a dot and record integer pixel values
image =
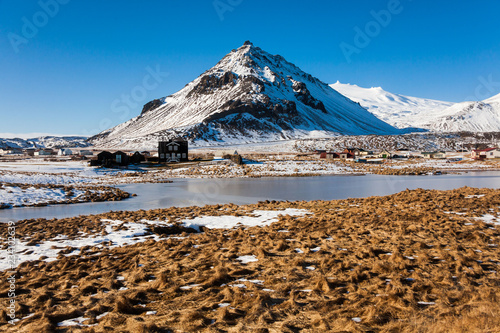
(398, 110)
(45, 142)
(469, 116)
(248, 96)
(438, 116)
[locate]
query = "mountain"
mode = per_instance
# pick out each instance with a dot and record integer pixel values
(45, 142)
(248, 96)
(437, 116)
(481, 116)
(398, 110)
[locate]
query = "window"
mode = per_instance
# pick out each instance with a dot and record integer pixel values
(176, 148)
(170, 148)
(183, 155)
(162, 155)
(118, 158)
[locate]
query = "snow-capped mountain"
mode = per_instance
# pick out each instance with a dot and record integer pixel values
(481, 116)
(404, 111)
(248, 96)
(45, 142)
(398, 110)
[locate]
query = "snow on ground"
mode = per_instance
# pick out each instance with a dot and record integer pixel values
(32, 171)
(16, 196)
(261, 218)
(136, 232)
(491, 219)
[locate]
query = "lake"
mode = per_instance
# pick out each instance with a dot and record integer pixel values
(189, 192)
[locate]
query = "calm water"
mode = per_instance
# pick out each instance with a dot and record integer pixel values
(188, 192)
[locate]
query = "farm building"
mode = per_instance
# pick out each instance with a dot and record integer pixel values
(434, 154)
(173, 150)
(481, 154)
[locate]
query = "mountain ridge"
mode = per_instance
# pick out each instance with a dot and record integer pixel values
(248, 96)
(438, 116)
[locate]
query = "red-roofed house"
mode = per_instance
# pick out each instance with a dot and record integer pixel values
(482, 154)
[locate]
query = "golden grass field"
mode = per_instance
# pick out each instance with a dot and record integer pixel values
(415, 261)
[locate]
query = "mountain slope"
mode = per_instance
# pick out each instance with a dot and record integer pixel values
(398, 110)
(248, 96)
(45, 142)
(469, 116)
(404, 111)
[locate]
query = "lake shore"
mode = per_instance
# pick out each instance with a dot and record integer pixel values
(420, 259)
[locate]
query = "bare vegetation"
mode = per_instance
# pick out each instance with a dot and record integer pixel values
(416, 261)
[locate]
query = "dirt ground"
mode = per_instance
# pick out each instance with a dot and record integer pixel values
(415, 261)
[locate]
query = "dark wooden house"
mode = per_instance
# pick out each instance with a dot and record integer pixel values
(173, 151)
(137, 158)
(120, 158)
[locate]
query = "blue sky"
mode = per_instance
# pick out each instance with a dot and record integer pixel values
(65, 69)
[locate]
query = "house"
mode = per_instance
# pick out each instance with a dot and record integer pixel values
(64, 152)
(384, 154)
(121, 158)
(137, 158)
(347, 153)
(329, 155)
(86, 153)
(43, 152)
(30, 151)
(359, 151)
(482, 154)
(103, 158)
(173, 150)
(434, 154)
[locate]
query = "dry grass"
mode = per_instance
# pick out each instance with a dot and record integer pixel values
(400, 263)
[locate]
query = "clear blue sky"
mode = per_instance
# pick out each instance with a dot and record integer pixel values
(69, 74)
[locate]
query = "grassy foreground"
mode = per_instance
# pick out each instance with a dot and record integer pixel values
(416, 261)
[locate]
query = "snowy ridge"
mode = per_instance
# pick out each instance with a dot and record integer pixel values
(469, 116)
(248, 96)
(404, 111)
(45, 142)
(398, 110)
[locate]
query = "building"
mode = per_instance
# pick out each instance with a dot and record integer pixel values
(173, 150)
(347, 153)
(120, 158)
(64, 152)
(43, 152)
(86, 153)
(434, 154)
(384, 154)
(329, 155)
(30, 151)
(137, 158)
(482, 154)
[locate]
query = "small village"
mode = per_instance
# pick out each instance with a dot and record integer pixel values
(177, 151)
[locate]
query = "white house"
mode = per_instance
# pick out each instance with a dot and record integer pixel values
(64, 152)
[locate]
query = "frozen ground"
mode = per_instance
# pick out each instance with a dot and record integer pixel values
(16, 196)
(119, 233)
